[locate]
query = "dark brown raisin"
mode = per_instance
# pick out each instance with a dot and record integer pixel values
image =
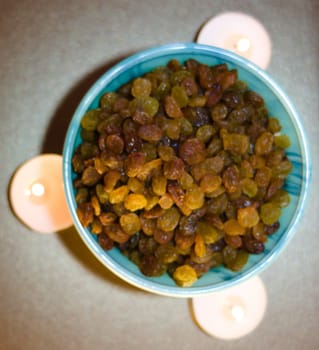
(151, 266)
(214, 95)
(105, 241)
(253, 245)
(271, 229)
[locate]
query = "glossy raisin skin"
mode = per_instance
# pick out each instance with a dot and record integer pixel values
(183, 170)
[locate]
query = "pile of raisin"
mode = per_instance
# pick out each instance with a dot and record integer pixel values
(182, 169)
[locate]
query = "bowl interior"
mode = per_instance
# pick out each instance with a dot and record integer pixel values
(278, 105)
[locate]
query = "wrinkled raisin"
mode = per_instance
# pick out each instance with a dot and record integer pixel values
(172, 108)
(231, 178)
(192, 151)
(151, 133)
(173, 169)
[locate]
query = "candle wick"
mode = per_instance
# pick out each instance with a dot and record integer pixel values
(37, 189)
(243, 45)
(234, 308)
(238, 313)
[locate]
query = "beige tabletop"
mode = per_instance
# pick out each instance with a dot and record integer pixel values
(53, 293)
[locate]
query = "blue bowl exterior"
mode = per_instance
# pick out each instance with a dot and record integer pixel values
(278, 104)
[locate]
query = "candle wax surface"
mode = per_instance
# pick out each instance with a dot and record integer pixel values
(37, 194)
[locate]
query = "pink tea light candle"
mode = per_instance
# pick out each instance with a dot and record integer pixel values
(233, 312)
(240, 33)
(37, 194)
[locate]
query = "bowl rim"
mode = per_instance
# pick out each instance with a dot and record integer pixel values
(127, 63)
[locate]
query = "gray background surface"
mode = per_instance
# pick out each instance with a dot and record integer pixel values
(53, 293)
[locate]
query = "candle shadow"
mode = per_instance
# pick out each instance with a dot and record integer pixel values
(192, 315)
(200, 28)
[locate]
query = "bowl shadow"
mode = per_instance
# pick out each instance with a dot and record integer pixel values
(55, 134)
(53, 143)
(77, 248)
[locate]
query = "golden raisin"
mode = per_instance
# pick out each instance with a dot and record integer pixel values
(233, 228)
(172, 108)
(194, 198)
(135, 201)
(247, 217)
(169, 220)
(210, 183)
(110, 180)
(200, 247)
(130, 223)
(166, 153)
(135, 185)
(159, 183)
(185, 276)
(165, 201)
(269, 213)
(118, 195)
(264, 143)
(209, 233)
(141, 87)
(249, 187)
